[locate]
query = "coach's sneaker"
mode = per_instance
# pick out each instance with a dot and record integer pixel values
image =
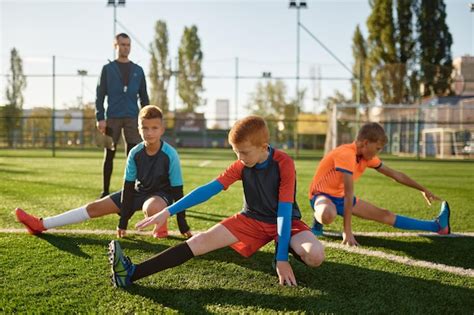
(161, 232)
(33, 224)
(443, 219)
(317, 228)
(122, 267)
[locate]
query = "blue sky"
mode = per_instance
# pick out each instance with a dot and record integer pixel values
(262, 34)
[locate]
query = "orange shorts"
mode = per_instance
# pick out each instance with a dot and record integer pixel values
(253, 234)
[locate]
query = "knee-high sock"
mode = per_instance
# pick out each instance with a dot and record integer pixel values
(407, 223)
(169, 258)
(108, 167)
(182, 223)
(68, 217)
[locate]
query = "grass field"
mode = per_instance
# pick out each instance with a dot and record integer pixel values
(69, 272)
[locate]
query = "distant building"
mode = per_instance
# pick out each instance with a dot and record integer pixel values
(221, 117)
(463, 76)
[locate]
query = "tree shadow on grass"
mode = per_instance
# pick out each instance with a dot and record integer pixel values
(450, 251)
(335, 288)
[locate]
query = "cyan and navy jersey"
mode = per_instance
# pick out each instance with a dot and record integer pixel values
(122, 93)
(159, 172)
(265, 185)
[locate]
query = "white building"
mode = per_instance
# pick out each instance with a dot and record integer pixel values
(221, 117)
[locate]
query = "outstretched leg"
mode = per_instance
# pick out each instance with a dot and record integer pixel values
(216, 237)
(366, 210)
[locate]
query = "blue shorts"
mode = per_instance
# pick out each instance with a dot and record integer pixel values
(338, 202)
(139, 199)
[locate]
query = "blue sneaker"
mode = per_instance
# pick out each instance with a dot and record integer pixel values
(443, 219)
(317, 228)
(122, 267)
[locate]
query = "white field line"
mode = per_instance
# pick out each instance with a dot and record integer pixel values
(356, 250)
(204, 163)
(401, 260)
(402, 234)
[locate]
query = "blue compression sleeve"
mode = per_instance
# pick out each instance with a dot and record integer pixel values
(196, 196)
(285, 210)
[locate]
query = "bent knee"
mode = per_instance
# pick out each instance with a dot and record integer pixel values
(328, 216)
(315, 257)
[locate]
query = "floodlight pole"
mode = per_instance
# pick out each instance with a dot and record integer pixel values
(53, 112)
(115, 4)
(297, 5)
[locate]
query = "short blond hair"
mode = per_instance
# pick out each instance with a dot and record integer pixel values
(252, 128)
(373, 132)
(150, 112)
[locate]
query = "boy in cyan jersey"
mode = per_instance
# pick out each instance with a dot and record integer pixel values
(152, 182)
(269, 212)
(331, 192)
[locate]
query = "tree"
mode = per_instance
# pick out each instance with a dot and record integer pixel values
(190, 73)
(405, 90)
(269, 101)
(382, 57)
(16, 83)
(359, 51)
(160, 71)
(434, 44)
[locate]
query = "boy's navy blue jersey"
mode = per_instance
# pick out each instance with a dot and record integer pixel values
(122, 93)
(157, 173)
(265, 185)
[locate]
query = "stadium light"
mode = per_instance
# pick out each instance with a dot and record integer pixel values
(115, 4)
(82, 73)
(297, 5)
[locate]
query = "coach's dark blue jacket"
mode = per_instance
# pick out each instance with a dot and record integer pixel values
(121, 102)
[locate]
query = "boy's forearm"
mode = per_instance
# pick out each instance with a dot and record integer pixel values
(407, 181)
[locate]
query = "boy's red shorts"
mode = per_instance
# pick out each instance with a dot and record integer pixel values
(253, 234)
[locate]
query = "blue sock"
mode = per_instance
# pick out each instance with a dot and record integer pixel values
(407, 223)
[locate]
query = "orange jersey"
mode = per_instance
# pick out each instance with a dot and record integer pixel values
(328, 178)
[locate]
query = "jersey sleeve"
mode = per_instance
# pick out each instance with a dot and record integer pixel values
(174, 172)
(345, 161)
(286, 191)
(131, 166)
(232, 174)
(374, 162)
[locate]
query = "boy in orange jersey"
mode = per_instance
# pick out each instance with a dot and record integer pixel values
(331, 191)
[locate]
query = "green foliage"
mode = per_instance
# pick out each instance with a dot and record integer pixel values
(160, 71)
(434, 40)
(400, 61)
(190, 73)
(382, 55)
(269, 100)
(16, 83)
(360, 68)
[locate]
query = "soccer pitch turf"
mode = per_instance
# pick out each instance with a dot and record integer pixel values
(64, 272)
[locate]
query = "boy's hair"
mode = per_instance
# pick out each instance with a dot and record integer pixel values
(373, 132)
(252, 128)
(150, 112)
(123, 35)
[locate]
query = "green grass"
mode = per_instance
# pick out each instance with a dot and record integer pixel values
(65, 273)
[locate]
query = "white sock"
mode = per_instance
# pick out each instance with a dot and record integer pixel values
(68, 217)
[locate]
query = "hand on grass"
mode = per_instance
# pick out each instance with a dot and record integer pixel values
(349, 239)
(121, 233)
(285, 273)
(429, 196)
(159, 219)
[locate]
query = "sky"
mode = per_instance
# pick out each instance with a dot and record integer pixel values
(261, 35)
